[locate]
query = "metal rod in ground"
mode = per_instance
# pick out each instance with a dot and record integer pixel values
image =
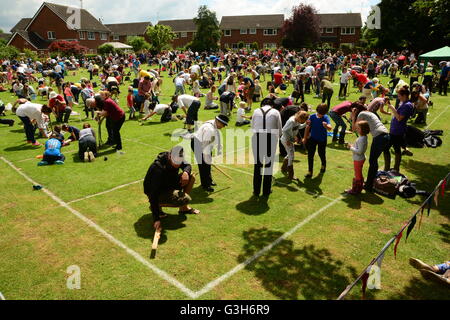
(223, 172)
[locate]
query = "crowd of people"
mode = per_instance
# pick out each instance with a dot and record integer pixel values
(283, 116)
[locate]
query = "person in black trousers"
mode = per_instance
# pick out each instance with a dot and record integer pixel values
(266, 126)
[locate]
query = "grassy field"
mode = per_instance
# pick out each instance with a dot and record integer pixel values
(322, 239)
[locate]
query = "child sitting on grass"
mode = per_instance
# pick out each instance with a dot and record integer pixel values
(316, 137)
(359, 157)
(52, 153)
(241, 118)
(210, 104)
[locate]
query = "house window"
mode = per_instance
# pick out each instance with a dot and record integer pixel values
(270, 32)
(329, 30)
(270, 45)
(243, 31)
(252, 31)
(51, 35)
(91, 35)
(183, 34)
(227, 33)
(234, 46)
(116, 37)
(103, 36)
(348, 30)
(248, 46)
(81, 34)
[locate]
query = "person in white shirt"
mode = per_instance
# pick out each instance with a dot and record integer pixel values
(344, 83)
(202, 143)
(359, 157)
(290, 131)
(179, 85)
(241, 118)
(267, 128)
(28, 112)
(190, 106)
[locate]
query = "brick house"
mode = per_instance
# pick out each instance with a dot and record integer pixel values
(338, 29)
(262, 29)
(184, 29)
(121, 31)
(50, 24)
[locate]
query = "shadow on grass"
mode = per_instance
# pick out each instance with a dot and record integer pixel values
(22, 147)
(354, 202)
(144, 226)
(445, 232)
(253, 206)
(427, 177)
(290, 273)
(422, 289)
(200, 196)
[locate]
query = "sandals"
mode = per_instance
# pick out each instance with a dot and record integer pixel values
(190, 211)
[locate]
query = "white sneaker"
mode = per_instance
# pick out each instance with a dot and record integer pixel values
(86, 157)
(91, 156)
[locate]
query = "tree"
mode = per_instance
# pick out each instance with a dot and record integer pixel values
(31, 54)
(255, 46)
(8, 52)
(105, 49)
(208, 31)
(138, 43)
(240, 45)
(302, 28)
(67, 47)
(160, 36)
(414, 24)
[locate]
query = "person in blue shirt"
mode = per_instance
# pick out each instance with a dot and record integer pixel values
(316, 137)
(52, 153)
(445, 77)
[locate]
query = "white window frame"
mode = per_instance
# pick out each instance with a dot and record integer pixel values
(89, 34)
(183, 34)
(51, 35)
(252, 31)
(270, 45)
(227, 33)
(116, 37)
(234, 46)
(266, 32)
(327, 30)
(243, 31)
(81, 35)
(103, 36)
(350, 29)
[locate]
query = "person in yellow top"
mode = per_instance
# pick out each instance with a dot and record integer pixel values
(143, 73)
(414, 75)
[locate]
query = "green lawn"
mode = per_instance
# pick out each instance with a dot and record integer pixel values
(330, 238)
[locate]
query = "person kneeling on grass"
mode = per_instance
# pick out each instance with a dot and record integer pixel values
(166, 187)
(87, 145)
(439, 272)
(52, 153)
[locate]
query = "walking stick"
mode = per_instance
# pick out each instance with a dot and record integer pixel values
(100, 141)
(351, 125)
(156, 238)
(223, 172)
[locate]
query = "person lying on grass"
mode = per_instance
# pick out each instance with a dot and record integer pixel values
(166, 187)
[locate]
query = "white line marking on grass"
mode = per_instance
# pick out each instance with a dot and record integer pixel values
(2, 297)
(106, 191)
(108, 236)
(445, 110)
(242, 265)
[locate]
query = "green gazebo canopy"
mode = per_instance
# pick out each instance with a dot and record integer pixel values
(438, 54)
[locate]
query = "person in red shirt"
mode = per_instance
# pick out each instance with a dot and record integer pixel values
(361, 78)
(278, 79)
(59, 107)
(115, 117)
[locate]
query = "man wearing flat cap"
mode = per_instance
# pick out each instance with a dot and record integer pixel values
(202, 143)
(166, 187)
